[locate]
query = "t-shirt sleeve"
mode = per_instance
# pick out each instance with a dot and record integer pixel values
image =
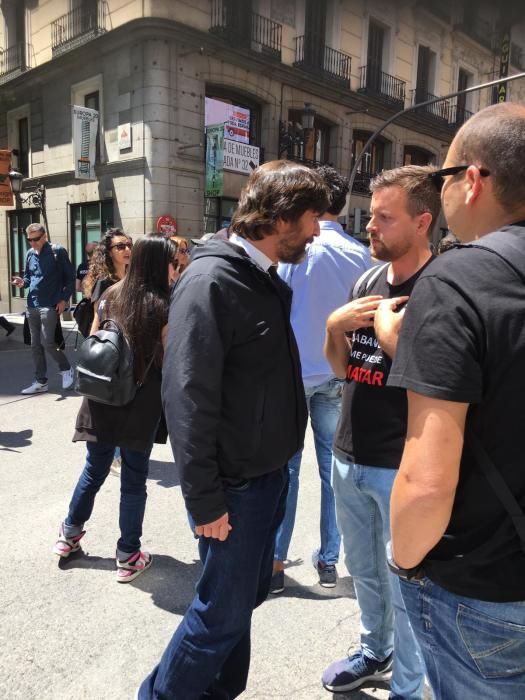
(441, 344)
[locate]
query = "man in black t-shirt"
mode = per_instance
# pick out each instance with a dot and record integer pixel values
(361, 340)
(461, 356)
(83, 268)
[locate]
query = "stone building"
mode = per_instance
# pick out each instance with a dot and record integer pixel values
(303, 79)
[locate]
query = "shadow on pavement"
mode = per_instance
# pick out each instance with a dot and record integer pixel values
(169, 582)
(344, 589)
(164, 473)
(11, 440)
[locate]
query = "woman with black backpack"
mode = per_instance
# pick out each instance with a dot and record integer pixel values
(139, 305)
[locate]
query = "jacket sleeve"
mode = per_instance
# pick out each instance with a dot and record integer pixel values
(200, 332)
(68, 274)
(27, 276)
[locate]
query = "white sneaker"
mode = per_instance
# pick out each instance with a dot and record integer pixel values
(68, 378)
(35, 388)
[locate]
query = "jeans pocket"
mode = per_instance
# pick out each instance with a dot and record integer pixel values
(495, 646)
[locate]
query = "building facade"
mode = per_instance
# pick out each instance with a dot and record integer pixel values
(302, 79)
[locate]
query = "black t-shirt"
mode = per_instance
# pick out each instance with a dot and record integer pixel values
(463, 339)
(372, 426)
(82, 270)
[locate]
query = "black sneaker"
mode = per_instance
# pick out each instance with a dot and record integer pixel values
(351, 672)
(327, 572)
(277, 583)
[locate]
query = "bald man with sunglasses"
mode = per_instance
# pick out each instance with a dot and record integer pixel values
(457, 507)
(50, 278)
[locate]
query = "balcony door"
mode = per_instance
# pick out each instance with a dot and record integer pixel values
(314, 32)
(374, 61)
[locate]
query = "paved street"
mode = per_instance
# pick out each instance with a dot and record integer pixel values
(68, 630)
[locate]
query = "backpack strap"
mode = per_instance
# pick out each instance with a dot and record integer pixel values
(366, 280)
(499, 486)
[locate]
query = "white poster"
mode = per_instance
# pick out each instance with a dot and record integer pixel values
(240, 157)
(236, 120)
(85, 126)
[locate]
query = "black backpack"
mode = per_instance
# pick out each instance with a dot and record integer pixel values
(105, 367)
(83, 314)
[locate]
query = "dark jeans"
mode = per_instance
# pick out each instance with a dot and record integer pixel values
(133, 475)
(209, 654)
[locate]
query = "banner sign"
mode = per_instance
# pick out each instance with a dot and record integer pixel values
(214, 185)
(237, 128)
(85, 126)
(504, 66)
(167, 225)
(240, 157)
(6, 193)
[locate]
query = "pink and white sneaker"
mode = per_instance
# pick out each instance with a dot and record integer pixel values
(65, 546)
(134, 566)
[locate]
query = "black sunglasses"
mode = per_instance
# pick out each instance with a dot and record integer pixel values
(34, 240)
(438, 176)
(122, 246)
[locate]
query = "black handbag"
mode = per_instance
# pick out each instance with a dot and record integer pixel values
(83, 314)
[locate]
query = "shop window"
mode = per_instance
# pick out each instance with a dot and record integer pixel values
(376, 158)
(88, 223)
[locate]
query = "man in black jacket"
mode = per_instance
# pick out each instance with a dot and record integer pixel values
(236, 413)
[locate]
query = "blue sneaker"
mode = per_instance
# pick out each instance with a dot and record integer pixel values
(351, 672)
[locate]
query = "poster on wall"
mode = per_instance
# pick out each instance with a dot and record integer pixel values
(236, 119)
(6, 193)
(214, 160)
(85, 126)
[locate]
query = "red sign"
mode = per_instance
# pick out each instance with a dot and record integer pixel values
(167, 225)
(6, 193)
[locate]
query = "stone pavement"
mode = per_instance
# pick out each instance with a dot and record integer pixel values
(69, 632)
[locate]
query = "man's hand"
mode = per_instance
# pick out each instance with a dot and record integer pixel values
(17, 281)
(218, 529)
(59, 308)
(358, 313)
(387, 323)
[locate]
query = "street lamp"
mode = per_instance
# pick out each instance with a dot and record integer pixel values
(300, 136)
(34, 199)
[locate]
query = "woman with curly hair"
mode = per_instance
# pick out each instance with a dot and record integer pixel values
(108, 263)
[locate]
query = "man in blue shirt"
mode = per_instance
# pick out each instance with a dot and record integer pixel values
(50, 277)
(321, 283)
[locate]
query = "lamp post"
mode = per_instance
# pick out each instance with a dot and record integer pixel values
(303, 136)
(34, 199)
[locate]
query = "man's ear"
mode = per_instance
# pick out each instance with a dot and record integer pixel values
(473, 184)
(424, 223)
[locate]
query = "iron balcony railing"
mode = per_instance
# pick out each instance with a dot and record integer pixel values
(248, 29)
(379, 84)
(362, 183)
(458, 116)
(323, 60)
(437, 110)
(15, 59)
(78, 26)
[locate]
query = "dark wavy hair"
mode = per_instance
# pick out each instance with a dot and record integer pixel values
(101, 264)
(140, 302)
(279, 189)
(338, 187)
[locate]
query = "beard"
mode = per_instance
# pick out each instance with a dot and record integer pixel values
(293, 252)
(385, 253)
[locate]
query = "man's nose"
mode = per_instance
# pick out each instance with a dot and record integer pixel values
(370, 225)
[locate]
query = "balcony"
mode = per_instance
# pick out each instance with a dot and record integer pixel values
(438, 111)
(323, 61)
(375, 83)
(14, 60)
(458, 116)
(78, 27)
(362, 183)
(246, 29)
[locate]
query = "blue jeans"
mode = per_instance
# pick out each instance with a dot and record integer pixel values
(42, 323)
(324, 406)
(362, 497)
(133, 477)
(209, 654)
(472, 648)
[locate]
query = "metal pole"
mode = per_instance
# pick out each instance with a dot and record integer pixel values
(414, 107)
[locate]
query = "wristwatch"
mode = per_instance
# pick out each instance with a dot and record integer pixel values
(406, 574)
